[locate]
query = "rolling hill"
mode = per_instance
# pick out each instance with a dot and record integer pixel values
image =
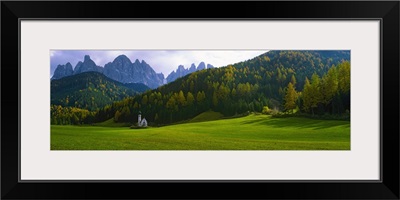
(91, 90)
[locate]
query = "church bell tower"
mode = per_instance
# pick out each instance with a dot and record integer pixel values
(139, 118)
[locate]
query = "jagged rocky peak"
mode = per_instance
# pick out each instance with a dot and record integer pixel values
(63, 71)
(88, 61)
(68, 66)
(181, 71)
(192, 68)
(123, 70)
(87, 65)
(122, 58)
(201, 66)
(122, 62)
(120, 69)
(209, 66)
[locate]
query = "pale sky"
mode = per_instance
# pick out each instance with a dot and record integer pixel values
(161, 61)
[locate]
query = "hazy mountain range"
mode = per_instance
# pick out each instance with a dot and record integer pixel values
(123, 70)
(181, 71)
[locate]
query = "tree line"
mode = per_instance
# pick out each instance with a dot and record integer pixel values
(70, 115)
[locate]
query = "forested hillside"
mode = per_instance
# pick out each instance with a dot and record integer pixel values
(274, 80)
(91, 91)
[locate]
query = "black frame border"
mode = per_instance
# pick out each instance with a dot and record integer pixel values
(195, 180)
(387, 12)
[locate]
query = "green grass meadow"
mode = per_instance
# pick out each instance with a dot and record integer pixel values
(253, 132)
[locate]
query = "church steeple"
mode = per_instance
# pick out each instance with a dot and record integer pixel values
(141, 122)
(139, 118)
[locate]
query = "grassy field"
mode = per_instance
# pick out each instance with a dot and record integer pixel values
(111, 123)
(253, 132)
(207, 116)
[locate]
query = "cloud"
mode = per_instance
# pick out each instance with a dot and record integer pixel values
(161, 61)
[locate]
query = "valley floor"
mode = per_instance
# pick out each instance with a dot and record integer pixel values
(253, 132)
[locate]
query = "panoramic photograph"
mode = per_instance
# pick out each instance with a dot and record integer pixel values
(200, 99)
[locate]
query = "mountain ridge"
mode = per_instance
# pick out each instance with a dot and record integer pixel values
(181, 71)
(63, 71)
(121, 69)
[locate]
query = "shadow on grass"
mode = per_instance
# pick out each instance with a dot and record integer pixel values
(297, 122)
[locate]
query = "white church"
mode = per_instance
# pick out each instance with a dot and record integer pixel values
(141, 122)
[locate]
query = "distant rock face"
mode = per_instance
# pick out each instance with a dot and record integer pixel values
(181, 71)
(87, 65)
(161, 76)
(172, 76)
(120, 69)
(63, 71)
(201, 66)
(124, 71)
(192, 68)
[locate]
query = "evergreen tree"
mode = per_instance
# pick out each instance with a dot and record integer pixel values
(306, 95)
(329, 85)
(117, 116)
(215, 99)
(290, 97)
(344, 77)
(315, 92)
(293, 81)
(181, 98)
(144, 100)
(190, 99)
